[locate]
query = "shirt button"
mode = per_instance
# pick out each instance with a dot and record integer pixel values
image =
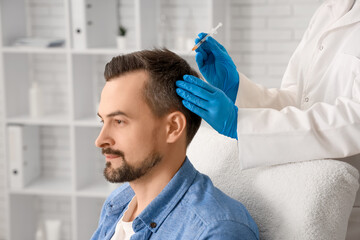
(306, 99)
(321, 47)
(153, 225)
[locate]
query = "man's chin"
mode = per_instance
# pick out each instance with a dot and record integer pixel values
(127, 173)
(111, 175)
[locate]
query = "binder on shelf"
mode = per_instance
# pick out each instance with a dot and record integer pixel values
(78, 24)
(24, 157)
(91, 28)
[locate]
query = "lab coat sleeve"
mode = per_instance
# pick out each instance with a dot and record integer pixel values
(252, 95)
(268, 136)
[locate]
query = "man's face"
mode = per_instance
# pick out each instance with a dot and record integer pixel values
(131, 135)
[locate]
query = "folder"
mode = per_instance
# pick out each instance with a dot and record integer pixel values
(94, 24)
(23, 152)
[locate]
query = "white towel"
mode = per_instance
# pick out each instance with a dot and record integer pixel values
(306, 200)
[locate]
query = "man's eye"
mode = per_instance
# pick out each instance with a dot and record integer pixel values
(102, 121)
(118, 121)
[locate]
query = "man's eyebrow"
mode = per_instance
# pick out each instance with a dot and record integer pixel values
(113, 114)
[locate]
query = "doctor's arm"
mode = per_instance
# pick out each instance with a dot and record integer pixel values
(268, 136)
(324, 131)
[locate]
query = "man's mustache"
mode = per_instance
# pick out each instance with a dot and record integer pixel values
(113, 152)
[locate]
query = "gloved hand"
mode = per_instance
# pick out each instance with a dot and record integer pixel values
(217, 67)
(210, 103)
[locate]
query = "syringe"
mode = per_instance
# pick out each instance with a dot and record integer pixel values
(211, 33)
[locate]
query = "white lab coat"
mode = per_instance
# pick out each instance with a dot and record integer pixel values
(316, 112)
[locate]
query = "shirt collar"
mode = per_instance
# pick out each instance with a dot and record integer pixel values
(156, 212)
(346, 12)
(340, 7)
(119, 199)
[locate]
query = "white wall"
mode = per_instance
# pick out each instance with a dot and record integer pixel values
(264, 34)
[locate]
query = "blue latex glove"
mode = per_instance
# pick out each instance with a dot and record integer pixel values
(210, 103)
(217, 67)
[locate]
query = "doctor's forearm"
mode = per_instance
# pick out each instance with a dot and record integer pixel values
(252, 95)
(269, 137)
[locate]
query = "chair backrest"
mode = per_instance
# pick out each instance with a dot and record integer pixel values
(306, 200)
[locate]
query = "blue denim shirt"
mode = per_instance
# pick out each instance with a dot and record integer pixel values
(188, 208)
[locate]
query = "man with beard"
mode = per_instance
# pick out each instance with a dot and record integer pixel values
(144, 137)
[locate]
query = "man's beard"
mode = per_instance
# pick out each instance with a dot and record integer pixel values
(127, 173)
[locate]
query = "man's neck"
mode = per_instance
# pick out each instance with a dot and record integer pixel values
(149, 186)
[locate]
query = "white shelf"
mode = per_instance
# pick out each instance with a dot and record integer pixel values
(35, 50)
(88, 122)
(47, 186)
(51, 120)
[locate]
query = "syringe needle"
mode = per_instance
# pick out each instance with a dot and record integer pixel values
(212, 32)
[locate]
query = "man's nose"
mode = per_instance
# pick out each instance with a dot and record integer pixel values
(104, 139)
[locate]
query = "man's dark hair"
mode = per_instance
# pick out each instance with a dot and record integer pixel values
(164, 68)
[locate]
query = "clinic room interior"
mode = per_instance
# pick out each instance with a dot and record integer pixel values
(281, 137)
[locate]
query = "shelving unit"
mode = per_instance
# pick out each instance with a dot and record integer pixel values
(71, 186)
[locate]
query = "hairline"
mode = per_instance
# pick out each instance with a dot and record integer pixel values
(146, 84)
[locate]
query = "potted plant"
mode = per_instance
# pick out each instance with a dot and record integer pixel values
(121, 38)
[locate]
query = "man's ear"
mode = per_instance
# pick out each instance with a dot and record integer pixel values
(175, 126)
